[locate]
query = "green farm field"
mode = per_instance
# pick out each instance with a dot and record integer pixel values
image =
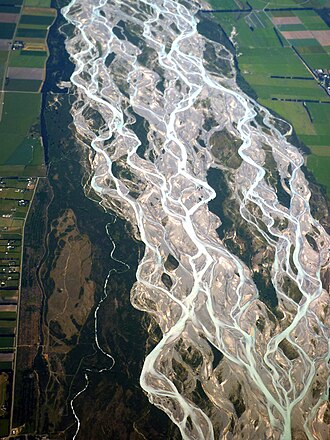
(44, 20)
(11, 2)
(21, 111)
(27, 58)
(4, 425)
(3, 59)
(7, 30)
(294, 112)
(22, 150)
(23, 85)
(7, 315)
(38, 3)
(263, 54)
(260, 4)
(9, 8)
(6, 342)
(31, 32)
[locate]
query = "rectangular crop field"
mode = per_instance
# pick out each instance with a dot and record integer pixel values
(320, 166)
(7, 30)
(10, 9)
(38, 3)
(317, 60)
(31, 33)
(45, 20)
(260, 4)
(21, 110)
(228, 4)
(11, 2)
(23, 85)
(293, 112)
(27, 58)
(6, 342)
(4, 427)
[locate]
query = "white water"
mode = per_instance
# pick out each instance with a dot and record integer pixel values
(216, 296)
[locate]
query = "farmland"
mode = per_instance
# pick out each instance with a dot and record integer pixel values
(278, 53)
(21, 75)
(16, 195)
(23, 55)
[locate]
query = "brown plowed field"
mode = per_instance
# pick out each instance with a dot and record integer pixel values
(323, 37)
(286, 20)
(8, 18)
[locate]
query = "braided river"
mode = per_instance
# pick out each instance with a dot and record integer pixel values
(154, 117)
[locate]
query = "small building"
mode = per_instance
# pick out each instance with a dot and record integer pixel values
(17, 45)
(23, 202)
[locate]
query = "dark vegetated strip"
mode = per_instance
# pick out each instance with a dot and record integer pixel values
(7, 30)
(109, 59)
(131, 37)
(5, 366)
(219, 11)
(299, 100)
(278, 36)
(266, 291)
(288, 9)
(10, 2)
(213, 31)
(9, 288)
(141, 128)
(324, 14)
(283, 197)
(6, 341)
(23, 85)
(291, 77)
(10, 9)
(37, 19)
(32, 33)
(308, 112)
(7, 333)
(216, 179)
(55, 69)
(34, 53)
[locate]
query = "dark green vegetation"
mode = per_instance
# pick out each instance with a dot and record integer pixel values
(279, 68)
(37, 19)
(26, 85)
(32, 33)
(224, 148)
(9, 8)
(7, 30)
(22, 154)
(11, 2)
